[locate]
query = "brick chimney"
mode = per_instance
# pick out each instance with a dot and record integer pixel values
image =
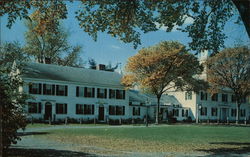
(101, 67)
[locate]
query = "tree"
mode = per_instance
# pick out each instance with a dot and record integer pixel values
(10, 52)
(162, 67)
(12, 102)
(231, 69)
(127, 19)
(50, 44)
(92, 63)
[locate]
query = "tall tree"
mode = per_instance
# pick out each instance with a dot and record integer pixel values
(11, 105)
(10, 52)
(126, 19)
(164, 66)
(231, 69)
(50, 44)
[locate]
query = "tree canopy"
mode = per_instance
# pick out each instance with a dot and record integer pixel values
(162, 67)
(126, 20)
(230, 69)
(50, 44)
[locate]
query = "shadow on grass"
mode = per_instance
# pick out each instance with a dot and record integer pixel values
(240, 148)
(22, 152)
(31, 133)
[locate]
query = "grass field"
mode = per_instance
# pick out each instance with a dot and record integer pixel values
(165, 138)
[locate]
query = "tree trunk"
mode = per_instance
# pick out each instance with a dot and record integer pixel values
(237, 112)
(243, 7)
(157, 110)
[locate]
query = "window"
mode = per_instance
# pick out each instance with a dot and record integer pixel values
(101, 93)
(89, 92)
(34, 107)
(188, 95)
(48, 89)
(89, 109)
(233, 98)
(233, 112)
(35, 88)
(215, 97)
(183, 113)
(224, 97)
(61, 108)
(136, 111)
(203, 111)
(61, 90)
(203, 96)
(116, 110)
(79, 91)
(242, 112)
(213, 111)
(79, 109)
(112, 94)
(176, 112)
(120, 94)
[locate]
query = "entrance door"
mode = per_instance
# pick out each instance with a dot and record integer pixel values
(101, 113)
(224, 114)
(48, 111)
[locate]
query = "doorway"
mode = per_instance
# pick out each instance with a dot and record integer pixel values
(48, 111)
(101, 113)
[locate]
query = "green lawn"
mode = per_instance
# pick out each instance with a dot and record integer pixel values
(165, 138)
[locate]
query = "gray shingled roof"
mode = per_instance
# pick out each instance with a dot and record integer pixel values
(71, 74)
(137, 96)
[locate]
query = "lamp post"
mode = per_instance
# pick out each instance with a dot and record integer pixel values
(198, 108)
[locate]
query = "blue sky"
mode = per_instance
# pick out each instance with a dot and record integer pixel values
(108, 49)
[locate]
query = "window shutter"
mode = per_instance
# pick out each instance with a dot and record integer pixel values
(85, 91)
(98, 92)
(77, 91)
(93, 92)
(109, 110)
(44, 88)
(56, 108)
(53, 89)
(57, 89)
(133, 110)
(93, 109)
(123, 110)
(105, 93)
(124, 94)
(139, 111)
(116, 95)
(109, 93)
(40, 88)
(77, 109)
(30, 88)
(66, 91)
(39, 107)
(66, 108)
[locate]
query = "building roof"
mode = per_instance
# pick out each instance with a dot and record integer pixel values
(71, 74)
(137, 96)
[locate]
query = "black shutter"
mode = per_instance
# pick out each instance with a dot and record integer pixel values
(66, 91)
(85, 92)
(40, 88)
(139, 111)
(77, 91)
(84, 109)
(66, 108)
(93, 92)
(57, 89)
(30, 88)
(93, 109)
(109, 110)
(56, 108)
(77, 108)
(110, 93)
(105, 93)
(53, 89)
(123, 94)
(39, 107)
(116, 95)
(44, 88)
(123, 110)
(133, 110)
(98, 92)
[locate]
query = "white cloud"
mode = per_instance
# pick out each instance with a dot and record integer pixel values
(115, 47)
